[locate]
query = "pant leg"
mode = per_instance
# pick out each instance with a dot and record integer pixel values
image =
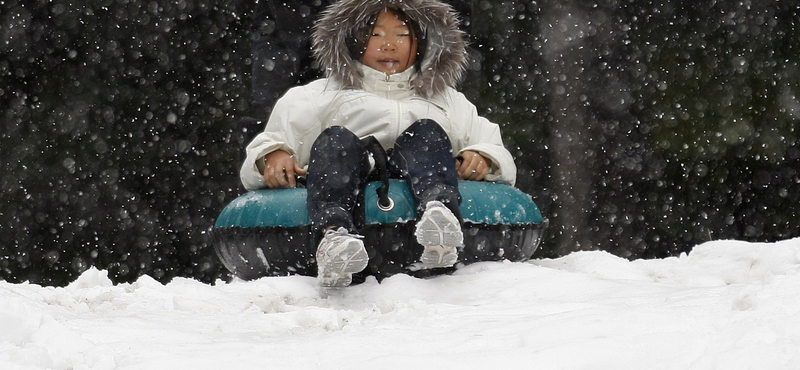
(338, 167)
(423, 155)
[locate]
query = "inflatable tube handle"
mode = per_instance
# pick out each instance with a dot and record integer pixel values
(374, 147)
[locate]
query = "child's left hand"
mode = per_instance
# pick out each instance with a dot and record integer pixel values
(472, 166)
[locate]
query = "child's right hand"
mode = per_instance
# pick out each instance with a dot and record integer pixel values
(281, 169)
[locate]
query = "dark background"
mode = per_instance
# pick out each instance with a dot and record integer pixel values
(641, 128)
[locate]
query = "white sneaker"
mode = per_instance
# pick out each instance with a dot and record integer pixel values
(340, 255)
(439, 232)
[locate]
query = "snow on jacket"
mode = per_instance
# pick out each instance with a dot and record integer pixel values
(368, 102)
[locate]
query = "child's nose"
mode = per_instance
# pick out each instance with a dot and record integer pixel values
(389, 45)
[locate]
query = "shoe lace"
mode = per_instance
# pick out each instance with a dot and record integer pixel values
(333, 236)
(340, 232)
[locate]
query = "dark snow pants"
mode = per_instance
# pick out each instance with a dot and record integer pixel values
(339, 168)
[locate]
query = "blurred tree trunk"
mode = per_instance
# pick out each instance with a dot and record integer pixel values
(564, 51)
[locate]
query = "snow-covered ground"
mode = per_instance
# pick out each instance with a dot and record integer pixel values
(727, 305)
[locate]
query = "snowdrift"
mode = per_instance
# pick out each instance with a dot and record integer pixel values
(725, 305)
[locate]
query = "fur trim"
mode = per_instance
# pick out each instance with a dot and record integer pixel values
(444, 59)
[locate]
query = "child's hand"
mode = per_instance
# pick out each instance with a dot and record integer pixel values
(280, 169)
(472, 166)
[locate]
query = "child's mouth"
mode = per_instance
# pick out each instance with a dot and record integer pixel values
(389, 63)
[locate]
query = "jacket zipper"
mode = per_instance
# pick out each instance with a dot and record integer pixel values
(397, 111)
(398, 117)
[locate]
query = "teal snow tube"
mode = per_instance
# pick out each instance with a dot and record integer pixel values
(268, 232)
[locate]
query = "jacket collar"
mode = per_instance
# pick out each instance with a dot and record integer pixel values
(394, 86)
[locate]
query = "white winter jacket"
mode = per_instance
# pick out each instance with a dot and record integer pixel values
(384, 107)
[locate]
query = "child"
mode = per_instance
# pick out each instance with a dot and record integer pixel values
(391, 69)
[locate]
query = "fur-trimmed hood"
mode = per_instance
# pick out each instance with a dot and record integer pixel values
(444, 58)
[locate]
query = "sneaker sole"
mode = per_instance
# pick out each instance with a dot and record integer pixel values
(439, 232)
(438, 256)
(351, 258)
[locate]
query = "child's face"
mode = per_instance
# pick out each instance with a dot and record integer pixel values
(391, 47)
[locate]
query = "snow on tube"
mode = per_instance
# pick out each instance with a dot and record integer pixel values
(268, 233)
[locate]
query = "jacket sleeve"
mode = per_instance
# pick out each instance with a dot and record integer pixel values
(287, 125)
(478, 134)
